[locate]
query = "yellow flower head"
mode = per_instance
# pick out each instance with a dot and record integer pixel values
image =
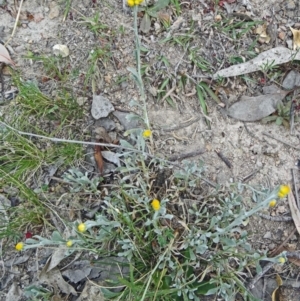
(81, 227)
(147, 133)
(283, 191)
(281, 260)
(155, 204)
(19, 246)
(69, 243)
(130, 3)
(272, 203)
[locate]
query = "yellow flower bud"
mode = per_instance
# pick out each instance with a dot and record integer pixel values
(283, 191)
(81, 227)
(281, 260)
(69, 243)
(155, 204)
(19, 246)
(272, 203)
(146, 133)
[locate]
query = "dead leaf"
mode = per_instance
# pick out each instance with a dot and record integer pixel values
(276, 294)
(4, 56)
(294, 211)
(296, 38)
(98, 158)
(111, 157)
(261, 30)
(256, 108)
(55, 279)
(58, 255)
(145, 23)
(274, 56)
(102, 135)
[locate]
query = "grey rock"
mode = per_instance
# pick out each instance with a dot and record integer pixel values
(291, 80)
(127, 124)
(291, 5)
(268, 235)
(101, 107)
(107, 123)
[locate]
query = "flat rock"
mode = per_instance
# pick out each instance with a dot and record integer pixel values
(291, 80)
(101, 107)
(127, 124)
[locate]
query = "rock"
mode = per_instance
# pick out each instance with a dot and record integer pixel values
(125, 122)
(54, 10)
(290, 5)
(101, 107)
(107, 123)
(291, 80)
(268, 235)
(62, 50)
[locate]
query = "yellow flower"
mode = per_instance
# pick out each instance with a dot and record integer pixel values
(130, 3)
(283, 191)
(81, 227)
(147, 133)
(69, 243)
(155, 204)
(272, 203)
(19, 246)
(281, 260)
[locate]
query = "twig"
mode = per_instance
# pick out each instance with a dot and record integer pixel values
(186, 155)
(224, 159)
(293, 254)
(182, 125)
(276, 218)
(288, 144)
(16, 23)
(295, 187)
(250, 175)
(2, 82)
(102, 144)
(264, 270)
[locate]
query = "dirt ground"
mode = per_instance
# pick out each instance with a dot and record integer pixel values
(255, 158)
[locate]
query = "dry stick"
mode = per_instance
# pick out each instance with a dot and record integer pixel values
(278, 249)
(276, 218)
(16, 23)
(186, 155)
(260, 274)
(224, 159)
(295, 187)
(288, 144)
(102, 144)
(182, 125)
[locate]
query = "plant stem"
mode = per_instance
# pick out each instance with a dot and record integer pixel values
(138, 61)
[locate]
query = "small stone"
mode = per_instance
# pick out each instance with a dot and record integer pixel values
(101, 107)
(107, 123)
(291, 80)
(54, 10)
(290, 5)
(81, 100)
(268, 235)
(61, 50)
(127, 123)
(281, 35)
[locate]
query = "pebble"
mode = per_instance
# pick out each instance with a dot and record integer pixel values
(290, 5)
(291, 80)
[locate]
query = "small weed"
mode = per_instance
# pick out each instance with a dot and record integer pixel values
(97, 55)
(55, 67)
(236, 29)
(282, 116)
(95, 25)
